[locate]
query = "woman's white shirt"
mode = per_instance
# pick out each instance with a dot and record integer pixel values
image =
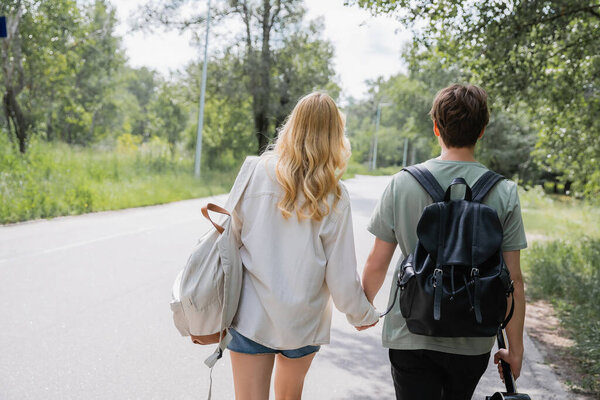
(293, 268)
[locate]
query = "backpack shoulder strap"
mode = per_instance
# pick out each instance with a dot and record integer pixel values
(241, 182)
(482, 187)
(427, 181)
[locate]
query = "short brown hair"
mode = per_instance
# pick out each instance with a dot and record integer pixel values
(461, 113)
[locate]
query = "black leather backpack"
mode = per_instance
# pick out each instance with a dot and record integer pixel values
(455, 283)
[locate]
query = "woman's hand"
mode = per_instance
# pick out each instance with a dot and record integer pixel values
(362, 328)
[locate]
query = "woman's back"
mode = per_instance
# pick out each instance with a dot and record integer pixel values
(292, 265)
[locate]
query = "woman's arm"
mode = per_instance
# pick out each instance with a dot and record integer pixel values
(341, 276)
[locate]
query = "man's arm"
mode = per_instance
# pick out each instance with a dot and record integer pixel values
(376, 267)
(514, 329)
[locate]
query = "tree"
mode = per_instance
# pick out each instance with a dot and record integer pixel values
(228, 128)
(302, 64)
(13, 72)
(265, 23)
(28, 57)
(94, 64)
(142, 83)
(542, 54)
(168, 116)
(59, 69)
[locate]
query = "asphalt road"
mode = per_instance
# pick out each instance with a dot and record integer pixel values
(84, 314)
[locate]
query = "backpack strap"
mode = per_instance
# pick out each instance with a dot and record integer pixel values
(241, 181)
(427, 181)
(484, 184)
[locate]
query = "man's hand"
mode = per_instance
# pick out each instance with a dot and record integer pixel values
(514, 360)
(362, 328)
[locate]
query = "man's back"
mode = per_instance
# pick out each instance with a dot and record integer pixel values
(396, 219)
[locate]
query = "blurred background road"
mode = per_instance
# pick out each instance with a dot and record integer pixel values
(84, 313)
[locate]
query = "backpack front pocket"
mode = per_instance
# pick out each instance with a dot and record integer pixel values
(407, 296)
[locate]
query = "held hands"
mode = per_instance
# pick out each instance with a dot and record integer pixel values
(514, 360)
(362, 328)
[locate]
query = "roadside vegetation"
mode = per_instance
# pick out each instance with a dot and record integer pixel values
(562, 266)
(55, 179)
(567, 273)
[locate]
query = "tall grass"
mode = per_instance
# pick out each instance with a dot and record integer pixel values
(568, 274)
(558, 216)
(354, 168)
(55, 179)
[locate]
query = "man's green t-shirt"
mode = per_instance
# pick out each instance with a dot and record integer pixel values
(395, 221)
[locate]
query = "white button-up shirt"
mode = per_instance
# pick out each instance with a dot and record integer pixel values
(293, 268)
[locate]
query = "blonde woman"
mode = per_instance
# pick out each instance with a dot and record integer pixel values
(295, 228)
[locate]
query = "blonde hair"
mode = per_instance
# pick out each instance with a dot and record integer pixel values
(312, 157)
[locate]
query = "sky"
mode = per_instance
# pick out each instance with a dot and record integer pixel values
(366, 47)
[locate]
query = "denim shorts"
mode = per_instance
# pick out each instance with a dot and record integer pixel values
(241, 344)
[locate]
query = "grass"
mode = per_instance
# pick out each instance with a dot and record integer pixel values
(562, 266)
(57, 179)
(567, 273)
(355, 168)
(557, 216)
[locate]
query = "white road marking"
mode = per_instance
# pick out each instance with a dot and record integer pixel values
(100, 239)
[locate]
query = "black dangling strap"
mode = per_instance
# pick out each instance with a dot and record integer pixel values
(477, 295)
(393, 302)
(468, 291)
(510, 313)
(438, 277)
(452, 282)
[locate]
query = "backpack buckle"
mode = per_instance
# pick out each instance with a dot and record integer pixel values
(436, 272)
(474, 272)
(511, 288)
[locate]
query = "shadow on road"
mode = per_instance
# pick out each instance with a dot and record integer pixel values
(360, 355)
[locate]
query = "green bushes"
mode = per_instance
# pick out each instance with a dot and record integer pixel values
(55, 179)
(568, 274)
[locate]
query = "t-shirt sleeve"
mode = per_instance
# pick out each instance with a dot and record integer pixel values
(382, 220)
(514, 231)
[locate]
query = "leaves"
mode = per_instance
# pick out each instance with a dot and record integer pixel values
(542, 56)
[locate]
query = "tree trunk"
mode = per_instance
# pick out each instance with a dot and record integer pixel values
(14, 78)
(15, 114)
(263, 89)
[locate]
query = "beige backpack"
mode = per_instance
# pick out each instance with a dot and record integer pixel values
(206, 292)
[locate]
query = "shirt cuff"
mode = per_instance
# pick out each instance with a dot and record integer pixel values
(369, 318)
(386, 237)
(515, 247)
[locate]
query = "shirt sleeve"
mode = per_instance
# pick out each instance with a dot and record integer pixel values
(341, 276)
(382, 220)
(514, 230)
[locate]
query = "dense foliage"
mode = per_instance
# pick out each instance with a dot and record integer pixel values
(405, 102)
(280, 56)
(65, 78)
(542, 56)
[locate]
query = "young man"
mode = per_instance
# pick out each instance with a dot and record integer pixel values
(427, 367)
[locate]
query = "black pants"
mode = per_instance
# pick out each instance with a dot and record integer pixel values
(433, 375)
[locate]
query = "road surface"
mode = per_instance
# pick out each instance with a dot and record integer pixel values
(84, 314)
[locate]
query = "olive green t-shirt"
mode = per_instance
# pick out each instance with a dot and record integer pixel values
(395, 221)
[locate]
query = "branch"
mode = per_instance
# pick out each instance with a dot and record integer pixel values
(589, 9)
(275, 14)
